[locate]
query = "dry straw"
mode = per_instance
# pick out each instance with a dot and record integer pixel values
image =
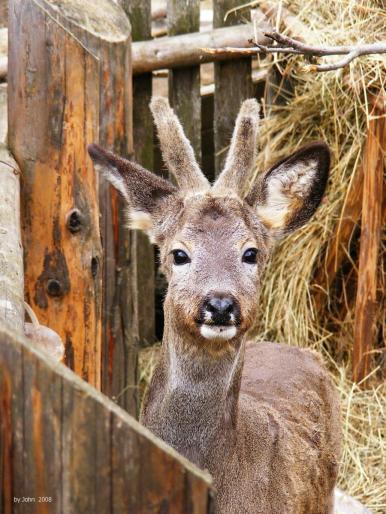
(332, 106)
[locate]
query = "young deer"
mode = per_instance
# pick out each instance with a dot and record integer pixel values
(262, 418)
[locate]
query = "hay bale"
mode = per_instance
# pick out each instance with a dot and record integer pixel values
(332, 106)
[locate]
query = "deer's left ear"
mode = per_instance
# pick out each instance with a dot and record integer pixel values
(289, 193)
(143, 191)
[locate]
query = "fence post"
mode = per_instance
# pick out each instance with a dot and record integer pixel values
(107, 35)
(142, 251)
(233, 84)
(53, 113)
(371, 226)
(184, 84)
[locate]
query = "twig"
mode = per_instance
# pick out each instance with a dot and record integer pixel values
(288, 45)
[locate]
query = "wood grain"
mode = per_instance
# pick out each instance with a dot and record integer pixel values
(142, 251)
(53, 115)
(338, 244)
(61, 438)
(233, 84)
(184, 84)
(371, 226)
(106, 34)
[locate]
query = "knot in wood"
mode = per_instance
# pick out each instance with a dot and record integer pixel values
(54, 287)
(74, 221)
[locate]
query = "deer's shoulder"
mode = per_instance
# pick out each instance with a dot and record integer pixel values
(293, 381)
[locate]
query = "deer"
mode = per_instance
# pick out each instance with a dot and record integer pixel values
(262, 417)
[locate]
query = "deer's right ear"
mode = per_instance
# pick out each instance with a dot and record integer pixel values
(143, 190)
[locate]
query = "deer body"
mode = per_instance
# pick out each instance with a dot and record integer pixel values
(262, 418)
(266, 430)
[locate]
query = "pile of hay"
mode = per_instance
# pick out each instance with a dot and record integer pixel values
(363, 463)
(334, 107)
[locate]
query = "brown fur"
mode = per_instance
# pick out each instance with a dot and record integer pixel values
(176, 150)
(242, 153)
(262, 418)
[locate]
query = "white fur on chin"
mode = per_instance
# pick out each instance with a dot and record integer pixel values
(218, 332)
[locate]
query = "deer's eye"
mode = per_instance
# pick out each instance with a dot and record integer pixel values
(180, 257)
(250, 256)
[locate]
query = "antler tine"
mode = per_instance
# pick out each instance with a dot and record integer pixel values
(242, 151)
(176, 150)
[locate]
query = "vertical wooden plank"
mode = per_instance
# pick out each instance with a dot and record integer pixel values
(371, 226)
(338, 243)
(207, 156)
(142, 251)
(107, 35)
(233, 84)
(183, 16)
(111, 43)
(70, 442)
(51, 121)
(42, 414)
(85, 453)
(196, 501)
(11, 430)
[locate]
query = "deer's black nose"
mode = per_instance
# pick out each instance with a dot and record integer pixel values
(219, 309)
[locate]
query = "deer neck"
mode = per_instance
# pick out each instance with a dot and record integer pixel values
(193, 399)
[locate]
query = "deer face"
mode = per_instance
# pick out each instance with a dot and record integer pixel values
(213, 260)
(214, 240)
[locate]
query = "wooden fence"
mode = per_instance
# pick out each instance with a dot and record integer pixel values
(66, 448)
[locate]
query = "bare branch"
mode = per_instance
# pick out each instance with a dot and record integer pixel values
(288, 45)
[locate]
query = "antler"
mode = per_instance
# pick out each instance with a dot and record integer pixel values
(176, 150)
(242, 152)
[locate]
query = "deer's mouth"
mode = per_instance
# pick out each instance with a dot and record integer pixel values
(224, 332)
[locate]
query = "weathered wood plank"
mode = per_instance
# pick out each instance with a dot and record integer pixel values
(10, 451)
(42, 412)
(233, 84)
(189, 49)
(53, 115)
(338, 244)
(108, 38)
(142, 252)
(371, 226)
(85, 451)
(71, 440)
(183, 17)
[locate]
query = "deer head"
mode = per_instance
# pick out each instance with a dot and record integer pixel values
(214, 240)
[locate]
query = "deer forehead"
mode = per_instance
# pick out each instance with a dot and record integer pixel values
(210, 221)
